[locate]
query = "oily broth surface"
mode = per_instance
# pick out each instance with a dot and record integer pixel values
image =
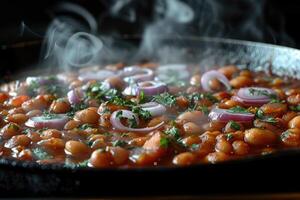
(85, 142)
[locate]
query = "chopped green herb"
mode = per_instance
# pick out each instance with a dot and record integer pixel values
(229, 136)
(256, 92)
(277, 101)
(40, 154)
(100, 92)
(119, 114)
(165, 99)
(144, 114)
(76, 108)
(85, 126)
(76, 165)
(142, 97)
(32, 88)
(164, 142)
(199, 96)
(238, 109)
(132, 122)
(117, 100)
(260, 115)
(48, 115)
(285, 135)
(173, 132)
(119, 143)
(124, 134)
(13, 126)
(295, 108)
(234, 125)
(194, 147)
(204, 109)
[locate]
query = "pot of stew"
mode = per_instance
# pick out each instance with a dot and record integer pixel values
(215, 116)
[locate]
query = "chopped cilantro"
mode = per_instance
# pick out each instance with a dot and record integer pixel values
(132, 122)
(117, 100)
(199, 96)
(194, 147)
(85, 126)
(76, 108)
(119, 143)
(119, 114)
(234, 125)
(142, 97)
(76, 165)
(165, 99)
(295, 108)
(48, 115)
(238, 109)
(40, 154)
(173, 132)
(13, 126)
(260, 115)
(164, 142)
(144, 114)
(100, 92)
(256, 92)
(204, 109)
(229, 136)
(285, 135)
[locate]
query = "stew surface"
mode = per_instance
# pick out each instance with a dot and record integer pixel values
(148, 115)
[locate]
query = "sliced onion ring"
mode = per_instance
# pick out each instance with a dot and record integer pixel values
(137, 74)
(99, 75)
(39, 122)
(154, 88)
(224, 115)
(154, 108)
(116, 122)
(213, 74)
(75, 96)
(245, 96)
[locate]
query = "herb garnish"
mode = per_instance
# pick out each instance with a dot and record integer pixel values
(257, 92)
(173, 132)
(238, 109)
(295, 108)
(48, 115)
(260, 115)
(164, 142)
(144, 114)
(41, 154)
(234, 125)
(165, 99)
(76, 108)
(119, 143)
(76, 165)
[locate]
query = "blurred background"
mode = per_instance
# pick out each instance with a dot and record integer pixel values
(269, 21)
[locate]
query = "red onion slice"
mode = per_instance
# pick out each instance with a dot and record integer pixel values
(224, 115)
(154, 108)
(39, 122)
(213, 74)
(154, 88)
(116, 122)
(75, 96)
(137, 74)
(99, 75)
(254, 96)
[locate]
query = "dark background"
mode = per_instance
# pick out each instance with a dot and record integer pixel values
(278, 20)
(269, 21)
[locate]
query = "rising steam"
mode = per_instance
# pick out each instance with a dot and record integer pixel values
(72, 39)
